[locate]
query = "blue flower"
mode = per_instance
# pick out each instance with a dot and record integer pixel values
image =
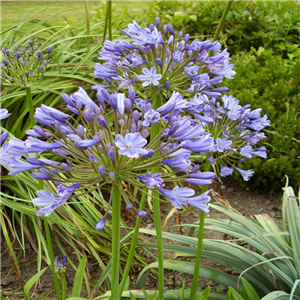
(132, 145)
(152, 180)
(245, 173)
(150, 77)
(222, 144)
(151, 116)
(182, 196)
(101, 224)
(4, 113)
(200, 201)
(182, 162)
(17, 166)
(51, 202)
(142, 214)
(226, 171)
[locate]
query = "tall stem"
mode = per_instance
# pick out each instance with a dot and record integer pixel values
(198, 257)
(132, 246)
(159, 240)
(50, 251)
(30, 104)
(109, 20)
(116, 219)
(200, 244)
(222, 21)
(157, 214)
(87, 26)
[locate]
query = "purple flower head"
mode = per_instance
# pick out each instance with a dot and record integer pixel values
(60, 266)
(51, 202)
(149, 77)
(152, 180)
(132, 145)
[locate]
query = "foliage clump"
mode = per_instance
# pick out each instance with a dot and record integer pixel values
(272, 83)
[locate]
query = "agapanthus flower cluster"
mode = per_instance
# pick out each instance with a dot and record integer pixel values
(23, 65)
(156, 58)
(108, 143)
(236, 130)
(60, 266)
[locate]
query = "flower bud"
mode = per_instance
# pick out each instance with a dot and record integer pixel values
(142, 214)
(49, 49)
(171, 29)
(158, 61)
(187, 37)
(92, 158)
(60, 266)
(144, 133)
(128, 104)
(65, 167)
(165, 29)
(135, 115)
(129, 206)
(151, 27)
(101, 170)
(101, 224)
(41, 176)
(131, 94)
(102, 121)
(168, 84)
(112, 175)
(157, 22)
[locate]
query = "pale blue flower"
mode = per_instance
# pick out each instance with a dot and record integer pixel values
(226, 171)
(51, 202)
(245, 173)
(132, 145)
(101, 224)
(150, 77)
(4, 113)
(152, 180)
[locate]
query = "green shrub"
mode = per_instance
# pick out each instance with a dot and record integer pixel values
(268, 24)
(272, 83)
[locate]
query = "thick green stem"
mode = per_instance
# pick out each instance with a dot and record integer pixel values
(50, 251)
(198, 257)
(87, 26)
(30, 104)
(63, 284)
(160, 249)
(109, 20)
(116, 219)
(132, 246)
(222, 21)
(157, 214)
(200, 243)
(105, 24)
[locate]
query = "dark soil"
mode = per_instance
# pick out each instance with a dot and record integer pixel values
(246, 202)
